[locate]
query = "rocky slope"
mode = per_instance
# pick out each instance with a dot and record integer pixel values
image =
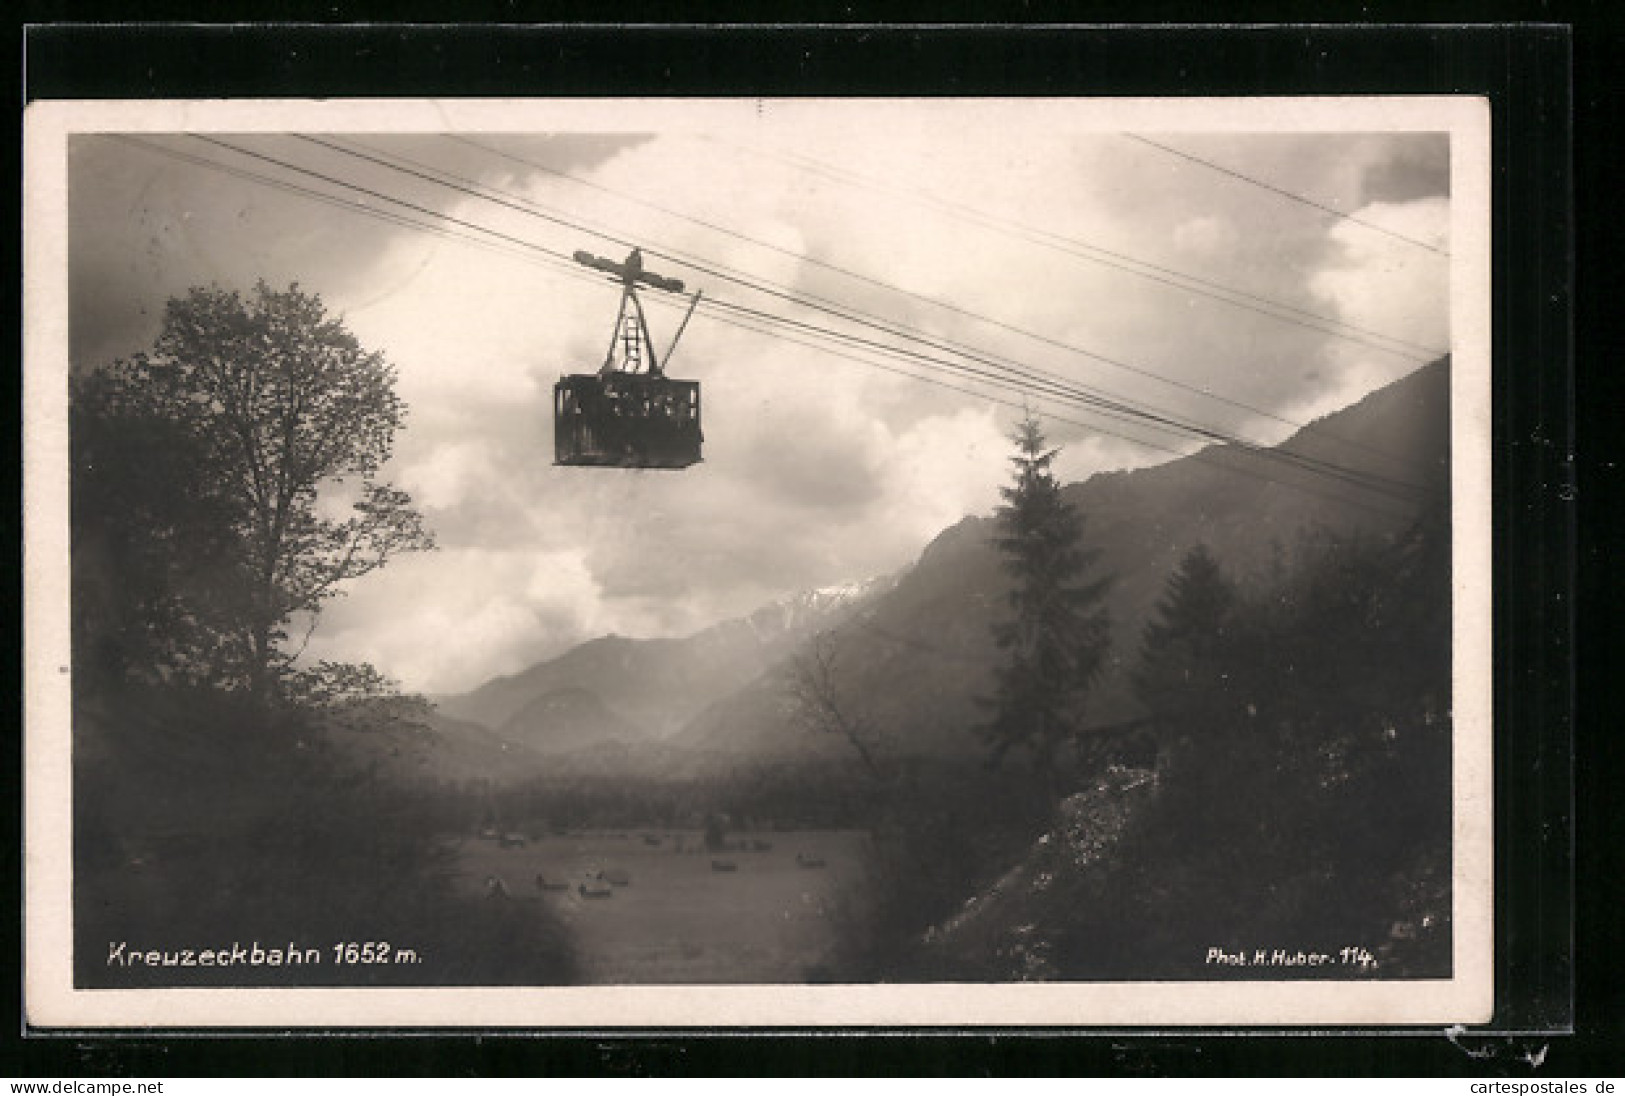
(1003, 932)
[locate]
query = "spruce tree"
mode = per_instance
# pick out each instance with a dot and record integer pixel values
(1055, 642)
(1182, 671)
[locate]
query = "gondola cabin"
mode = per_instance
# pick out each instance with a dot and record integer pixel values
(626, 420)
(628, 414)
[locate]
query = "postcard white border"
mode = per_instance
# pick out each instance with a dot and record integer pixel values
(51, 1001)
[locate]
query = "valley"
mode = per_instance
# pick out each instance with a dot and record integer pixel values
(762, 907)
(632, 811)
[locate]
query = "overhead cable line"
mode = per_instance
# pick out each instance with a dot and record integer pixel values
(1369, 481)
(1425, 354)
(1082, 393)
(1053, 382)
(732, 275)
(352, 206)
(371, 193)
(558, 265)
(1116, 260)
(1095, 402)
(1334, 211)
(1205, 456)
(1076, 392)
(535, 254)
(864, 351)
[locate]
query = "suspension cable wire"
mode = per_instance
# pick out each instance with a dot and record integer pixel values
(1348, 475)
(1397, 489)
(1116, 260)
(524, 205)
(1084, 395)
(865, 352)
(738, 278)
(948, 345)
(1204, 455)
(1332, 210)
(1057, 242)
(822, 342)
(1418, 352)
(376, 194)
(528, 252)
(819, 339)
(521, 251)
(1329, 468)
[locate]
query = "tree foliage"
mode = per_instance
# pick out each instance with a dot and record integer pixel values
(1180, 669)
(226, 485)
(1306, 785)
(1056, 640)
(152, 542)
(227, 482)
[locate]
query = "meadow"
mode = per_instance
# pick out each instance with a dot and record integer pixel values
(752, 912)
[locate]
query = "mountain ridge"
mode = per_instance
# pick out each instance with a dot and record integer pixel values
(912, 652)
(916, 661)
(645, 690)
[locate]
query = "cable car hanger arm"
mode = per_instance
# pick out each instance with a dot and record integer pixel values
(630, 272)
(692, 304)
(639, 344)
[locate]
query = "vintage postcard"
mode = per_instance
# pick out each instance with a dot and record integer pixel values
(757, 563)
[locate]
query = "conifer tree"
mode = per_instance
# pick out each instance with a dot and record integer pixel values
(1182, 649)
(1055, 642)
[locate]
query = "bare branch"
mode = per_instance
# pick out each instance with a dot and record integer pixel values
(819, 705)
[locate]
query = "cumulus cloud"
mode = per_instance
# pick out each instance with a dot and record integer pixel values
(459, 616)
(824, 463)
(1383, 283)
(944, 468)
(1389, 283)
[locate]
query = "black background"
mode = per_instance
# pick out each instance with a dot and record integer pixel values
(1548, 67)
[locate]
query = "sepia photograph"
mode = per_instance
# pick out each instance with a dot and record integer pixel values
(662, 563)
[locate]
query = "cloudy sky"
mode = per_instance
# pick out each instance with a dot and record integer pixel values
(1003, 231)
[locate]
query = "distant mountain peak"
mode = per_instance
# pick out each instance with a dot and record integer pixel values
(656, 685)
(812, 610)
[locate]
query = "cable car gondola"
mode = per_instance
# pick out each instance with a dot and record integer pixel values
(629, 414)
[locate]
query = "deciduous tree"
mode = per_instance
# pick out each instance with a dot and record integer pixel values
(821, 706)
(252, 436)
